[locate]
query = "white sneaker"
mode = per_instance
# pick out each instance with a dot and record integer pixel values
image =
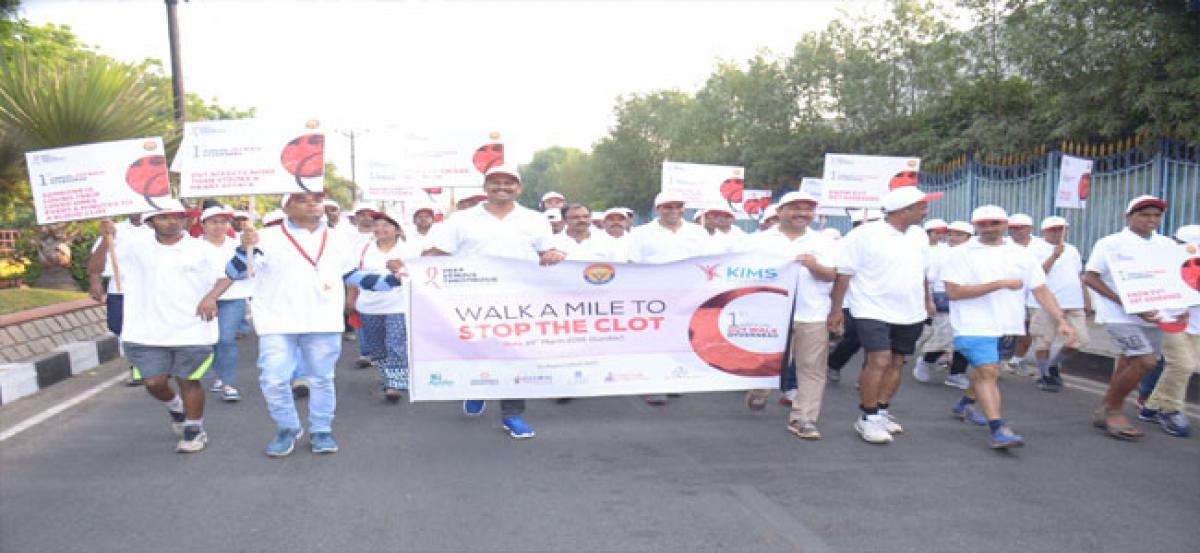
(890, 423)
(959, 381)
(921, 371)
(217, 386)
(1011, 367)
(872, 430)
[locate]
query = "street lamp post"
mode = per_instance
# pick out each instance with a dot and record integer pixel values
(176, 63)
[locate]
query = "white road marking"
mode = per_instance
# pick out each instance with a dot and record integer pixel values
(59, 408)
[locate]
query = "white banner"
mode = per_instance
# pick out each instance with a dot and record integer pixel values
(1153, 278)
(249, 157)
(1074, 180)
(97, 180)
(706, 186)
(862, 181)
(488, 328)
(397, 163)
(816, 187)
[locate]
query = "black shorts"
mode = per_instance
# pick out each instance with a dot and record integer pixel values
(877, 335)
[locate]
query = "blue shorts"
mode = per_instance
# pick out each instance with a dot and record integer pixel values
(979, 350)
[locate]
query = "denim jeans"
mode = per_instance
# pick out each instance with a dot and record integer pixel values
(1146, 386)
(230, 314)
(279, 358)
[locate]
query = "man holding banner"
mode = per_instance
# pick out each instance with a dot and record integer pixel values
(300, 267)
(1138, 336)
(882, 265)
(503, 228)
(813, 251)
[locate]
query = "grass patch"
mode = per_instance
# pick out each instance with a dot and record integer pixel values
(20, 299)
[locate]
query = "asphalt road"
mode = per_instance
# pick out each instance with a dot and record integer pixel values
(611, 474)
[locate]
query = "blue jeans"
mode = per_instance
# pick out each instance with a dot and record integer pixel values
(279, 358)
(1146, 386)
(230, 314)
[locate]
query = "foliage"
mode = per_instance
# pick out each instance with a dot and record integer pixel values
(81, 251)
(13, 300)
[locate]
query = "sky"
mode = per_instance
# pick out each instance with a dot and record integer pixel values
(541, 73)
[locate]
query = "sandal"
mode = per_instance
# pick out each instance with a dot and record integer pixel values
(1122, 431)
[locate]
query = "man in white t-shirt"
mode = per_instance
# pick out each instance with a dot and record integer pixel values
(1014, 348)
(665, 239)
(169, 328)
(725, 237)
(882, 266)
(810, 335)
(986, 281)
(1137, 336)
(114, 295)
(301, 269)
(499, 227)
(936, 337)
(580, 242)
(1063, 266)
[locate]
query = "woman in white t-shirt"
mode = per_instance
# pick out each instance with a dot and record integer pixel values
(231, 306)
(384, 332)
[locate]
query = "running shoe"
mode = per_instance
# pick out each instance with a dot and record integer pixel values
(177, 419)
(833, 375)
(1148, 415)
(284, 442)
(872, 430)
(323, 442)
(1175, 423)
(921, 371)
(967, 412)
(959, 381)
(804, 430)
(890, 422)
(230, 394)
(1047, 384)
(217, 386)
(517, 428)
(474, 407)
(194, 438)
(1003, 438)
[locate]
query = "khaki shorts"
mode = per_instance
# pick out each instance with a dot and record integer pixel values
(1043, 330)
(937, 337)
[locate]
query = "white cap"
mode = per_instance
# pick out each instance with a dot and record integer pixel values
(797, 196)
(430, 209)
(273, 216)
(696, 217)
(1143, 201)
(239, 214)
(1018, 220)
(214, 211)
(328, 202)
(1188, 233)
(618, 211)
(629, 212)
(166, 206)
(503, 170)
(1054, 221)
(989, 213)
(832, 233)
(360, 206)
(770, 211)
(935, 224)
(551, 194)
(905, 196)
(554, 214)
(668, 196)
(961, 226)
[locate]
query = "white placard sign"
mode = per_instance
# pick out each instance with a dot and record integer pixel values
(705, 186)
(396, 162)
(862, 181)
(97, 180)
(753, 204)
(1074, 180)
(816, 187)
(250, 156)
(1158, 277)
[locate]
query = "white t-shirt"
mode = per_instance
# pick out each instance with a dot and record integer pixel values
(655, 243)
(241, 289)
(888, 272)
(1108, 311)
(373, 259)
(163, 286)
(599, 246)
(812, 295)
(291, 296)
(1063, 278)
(733, 241)
(521, 234)
(124, 229)
(997, 313)
(937, 254)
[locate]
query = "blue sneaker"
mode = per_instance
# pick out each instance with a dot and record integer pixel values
(474, 407)
(1003, 438)
(322, 442)
(1174, 423)
(517, 428)
(284, 442)
(1148, 415)
(967, 412)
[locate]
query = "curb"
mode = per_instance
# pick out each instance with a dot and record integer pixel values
(18, 380)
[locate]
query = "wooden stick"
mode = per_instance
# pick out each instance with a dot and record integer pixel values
(116, 269)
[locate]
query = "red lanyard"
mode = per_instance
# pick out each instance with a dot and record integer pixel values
(363, 257)
(320, 252)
